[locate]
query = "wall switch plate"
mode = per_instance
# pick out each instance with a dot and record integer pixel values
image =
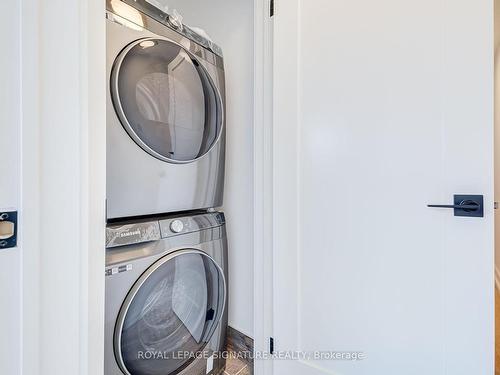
(8, 229)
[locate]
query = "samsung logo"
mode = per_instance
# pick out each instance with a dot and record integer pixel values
(129, 234)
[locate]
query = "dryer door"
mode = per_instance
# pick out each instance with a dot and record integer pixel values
(166, 100)
(170, 314)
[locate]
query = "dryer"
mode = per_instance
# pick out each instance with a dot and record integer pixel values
(165, 114)
(166, 305)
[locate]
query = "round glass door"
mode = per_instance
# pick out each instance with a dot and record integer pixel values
(166, 100)
(173, 309)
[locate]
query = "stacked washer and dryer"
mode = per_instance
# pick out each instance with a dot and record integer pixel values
(166, 247)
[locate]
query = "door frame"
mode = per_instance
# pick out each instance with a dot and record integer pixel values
(263, 183)
(89, 157)
(62, 216)
(40, 244)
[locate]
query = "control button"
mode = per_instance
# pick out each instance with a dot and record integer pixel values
(176, 226)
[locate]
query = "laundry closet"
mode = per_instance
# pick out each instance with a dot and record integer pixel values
(179, 185)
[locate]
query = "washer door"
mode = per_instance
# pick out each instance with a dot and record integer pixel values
(166, 100)
(173, 308)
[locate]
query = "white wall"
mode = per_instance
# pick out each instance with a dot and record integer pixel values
(497, 139)
(10, 152)
(230, 24)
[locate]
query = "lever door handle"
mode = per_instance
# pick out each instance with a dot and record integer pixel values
(472, 206)
(464, 205)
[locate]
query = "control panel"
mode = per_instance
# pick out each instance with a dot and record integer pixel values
(182, 225)
(129, 234)
(135, 233)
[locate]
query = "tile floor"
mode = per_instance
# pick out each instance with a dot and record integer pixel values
(236, 366)
(238, 347)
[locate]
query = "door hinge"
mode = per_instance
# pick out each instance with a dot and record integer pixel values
(271, 8)
(271, 345)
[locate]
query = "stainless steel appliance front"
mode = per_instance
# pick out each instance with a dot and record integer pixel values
(165, 118)
(166, 307)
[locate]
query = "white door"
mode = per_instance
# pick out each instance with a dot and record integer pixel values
(383, 107)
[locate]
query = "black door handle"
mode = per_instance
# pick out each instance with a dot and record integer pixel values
(465, 205)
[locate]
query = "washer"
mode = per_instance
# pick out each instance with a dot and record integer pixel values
(166, 296)
(165, 114)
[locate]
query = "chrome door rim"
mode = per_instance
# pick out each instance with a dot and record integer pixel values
(115, 92)
(138, 285)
